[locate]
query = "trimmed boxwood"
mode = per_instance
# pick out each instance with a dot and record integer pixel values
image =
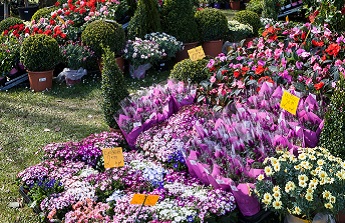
(178, 20)
(113, 87)
(102, 33)
(40, 53)
(43, 13)
(212, 24)
(188, 70)
(249, 17)
(11, 21)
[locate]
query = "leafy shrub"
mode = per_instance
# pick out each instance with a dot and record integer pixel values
(178, 20)
(212, 23)
(239, 31)
(249, 17)
(11, 21)
(271, 8)
(9, 53)
(43, 13)
(145, 20)
(195, 71)
(113, 87)
(39, 53)
(101, 33)
(255, 6)
(332, 137)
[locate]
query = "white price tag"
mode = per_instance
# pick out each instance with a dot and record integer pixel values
(192, 162)
(137, 124)
(233, 188)
(219, 181)
(43, 79)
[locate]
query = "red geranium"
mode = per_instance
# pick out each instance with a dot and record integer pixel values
(317, 43)
(259, 70)
(333, 49)
(237, 74)
(318, 86)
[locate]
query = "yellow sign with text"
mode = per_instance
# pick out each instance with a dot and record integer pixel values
(289, 102)
(113, 157)
(150, 200)
(196, 53)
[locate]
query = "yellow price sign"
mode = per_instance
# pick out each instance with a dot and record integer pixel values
(289, 102)
(113, 157)
(150, 200)
(196, 53)
(61, 20)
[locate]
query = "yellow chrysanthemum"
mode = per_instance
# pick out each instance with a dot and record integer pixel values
(302, 156)
(303, 177)
(309, 197)
(267, 196)
(328, 205)
(268, 171)
(277, 204)
(296, 211)
(276, 167)
(320, 162)
(260, 177)
(322, 175)
(302, 183)
(326, 194)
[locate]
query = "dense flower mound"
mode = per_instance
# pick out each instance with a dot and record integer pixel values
(304, 57)
(71, 183)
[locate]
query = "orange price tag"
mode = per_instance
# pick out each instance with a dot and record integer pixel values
(196, 53)
(138, 199)
(289, 102)
(150, 200)
(113, 157)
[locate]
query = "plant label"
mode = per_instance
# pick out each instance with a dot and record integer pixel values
(150, 200)
(196, 53)
(113, 157)
(289, 102)
(43, 79)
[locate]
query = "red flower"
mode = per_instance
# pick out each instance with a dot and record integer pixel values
(57, 3)
(54, 16)
(318, 86)
(82, 10)
(67, 13)
(303, 35)
(313, 16)
(317, 43)
(259, 70)
(333, 49)
(63, 35)
(6, 32)
(343, 11)
(52, 22)
(265, 78)
(244, 70)
(48, 32)
(237, 74)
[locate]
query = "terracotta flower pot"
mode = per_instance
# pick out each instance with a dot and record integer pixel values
(235, 5)
(40, 80)
(121, 63)
(212, 48)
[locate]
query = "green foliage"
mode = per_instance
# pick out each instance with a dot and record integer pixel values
(188, 70)
(255, 6)
(43, 13)
(40, 53)
(113, 87)
(239, 31)
(332, 135)
(75, 55)
(9, 53)
(11, 21)
(132, 7)
(271, 8)
(212, 24)
(178, 20)
(101, 33)
(249, 17)
(45, 188)
(145, 20)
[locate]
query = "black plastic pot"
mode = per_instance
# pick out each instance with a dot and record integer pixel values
(28, 200)
(26, 13)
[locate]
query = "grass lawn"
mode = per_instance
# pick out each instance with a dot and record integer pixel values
(28, 121)
(229, 13)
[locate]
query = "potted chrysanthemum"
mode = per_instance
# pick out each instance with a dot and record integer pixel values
(303, 186)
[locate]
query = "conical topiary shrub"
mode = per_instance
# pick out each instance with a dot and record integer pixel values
(178, 20)
(145, 20)
(113, 87)
(333, 133)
